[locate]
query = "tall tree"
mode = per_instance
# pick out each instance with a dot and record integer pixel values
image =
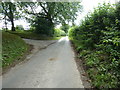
(52, 12)
(8, 9)
(56, 12)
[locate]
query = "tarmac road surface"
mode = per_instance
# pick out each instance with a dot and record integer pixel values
(52, 67)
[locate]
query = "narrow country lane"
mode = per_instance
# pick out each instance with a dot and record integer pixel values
(53, 67)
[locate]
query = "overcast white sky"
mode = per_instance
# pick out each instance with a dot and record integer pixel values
(88, 6)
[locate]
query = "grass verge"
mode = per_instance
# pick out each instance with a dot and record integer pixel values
(13, 47)
(31, 35)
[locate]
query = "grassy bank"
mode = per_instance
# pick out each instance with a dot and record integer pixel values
(13, 47)
(31, 35)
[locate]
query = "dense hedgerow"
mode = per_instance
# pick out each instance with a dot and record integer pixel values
(97, 41)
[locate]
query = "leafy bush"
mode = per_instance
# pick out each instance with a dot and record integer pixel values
(43, 26)
(58, 32)
(12, 47)
(97, 40)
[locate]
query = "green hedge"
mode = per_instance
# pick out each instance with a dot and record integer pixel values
(97, 40)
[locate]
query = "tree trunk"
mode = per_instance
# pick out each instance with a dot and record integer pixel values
(6, 24)
(11, 16)
(13, 28)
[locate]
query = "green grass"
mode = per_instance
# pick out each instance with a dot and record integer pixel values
(12, 48)
(31, 35)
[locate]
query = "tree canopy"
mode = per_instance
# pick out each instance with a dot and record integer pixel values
(42, 15)
(45, 15)
(56, 12)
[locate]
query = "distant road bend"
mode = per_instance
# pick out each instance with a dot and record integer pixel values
(53, 67)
